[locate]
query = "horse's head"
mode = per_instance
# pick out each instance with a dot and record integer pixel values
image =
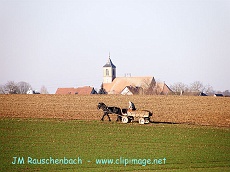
(101, 105)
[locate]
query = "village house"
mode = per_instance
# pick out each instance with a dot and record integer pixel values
(130, 85)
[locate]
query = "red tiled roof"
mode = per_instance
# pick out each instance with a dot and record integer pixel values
(65, 91)
(164, 89)
(80, 90)
(85, 90)
(120, 83)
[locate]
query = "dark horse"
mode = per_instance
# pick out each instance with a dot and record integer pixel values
(109, 110)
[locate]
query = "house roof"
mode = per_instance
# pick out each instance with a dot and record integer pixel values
(65, 91)
(109, 64)
(80, 90)
(164, 89)
(120, 83)
(85, 90)
(131, 90)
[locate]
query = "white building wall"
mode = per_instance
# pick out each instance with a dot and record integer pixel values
(108, 74)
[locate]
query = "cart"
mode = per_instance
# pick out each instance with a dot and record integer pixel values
(143, 116)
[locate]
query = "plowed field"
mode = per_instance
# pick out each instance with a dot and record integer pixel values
(212, 111)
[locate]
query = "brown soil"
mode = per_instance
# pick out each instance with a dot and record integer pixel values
(214, 111)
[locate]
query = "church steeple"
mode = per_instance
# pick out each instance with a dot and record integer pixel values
(109, 64)
(109, 71)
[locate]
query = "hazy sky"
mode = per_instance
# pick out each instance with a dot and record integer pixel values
(63, 43)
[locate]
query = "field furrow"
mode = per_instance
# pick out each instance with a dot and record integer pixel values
(175, 109)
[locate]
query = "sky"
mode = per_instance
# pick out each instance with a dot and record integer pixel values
(65, 43)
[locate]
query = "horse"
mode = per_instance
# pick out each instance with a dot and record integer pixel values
(109, 110)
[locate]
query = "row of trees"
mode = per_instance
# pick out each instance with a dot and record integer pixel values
(22, 87)
(178, 88)
(195, 88)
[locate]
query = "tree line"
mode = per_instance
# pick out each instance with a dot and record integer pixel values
(195, 88)
(178, 88)
(21, 87)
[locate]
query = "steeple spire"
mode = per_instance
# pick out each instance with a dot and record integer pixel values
(109, 71)
(109, 63)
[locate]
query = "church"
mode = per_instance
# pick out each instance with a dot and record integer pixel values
(131, 85)
(121, 85)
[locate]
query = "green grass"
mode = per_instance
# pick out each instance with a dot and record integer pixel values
(185, 147)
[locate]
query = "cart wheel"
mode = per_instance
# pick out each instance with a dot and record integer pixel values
(141, 121)
(125, 119)
(146, 120)
(130, 119)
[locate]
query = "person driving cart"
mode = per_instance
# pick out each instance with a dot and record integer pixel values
(131, 106)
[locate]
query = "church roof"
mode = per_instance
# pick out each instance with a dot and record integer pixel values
(109, 64)
(132, 83)
(120, 83)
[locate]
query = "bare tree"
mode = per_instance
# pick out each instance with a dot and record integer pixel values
(2, 89)
(194, 89)
(44, 90)
(197, 86)
(149, 88)
(23, 87)
(208, 90)
(179, 88)
(226, 93)
(11, 87)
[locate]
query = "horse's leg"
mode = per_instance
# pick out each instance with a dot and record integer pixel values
(108, 116)
(118, 117)
(105, 113)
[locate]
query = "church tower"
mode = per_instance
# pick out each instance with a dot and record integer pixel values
(109, 72)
